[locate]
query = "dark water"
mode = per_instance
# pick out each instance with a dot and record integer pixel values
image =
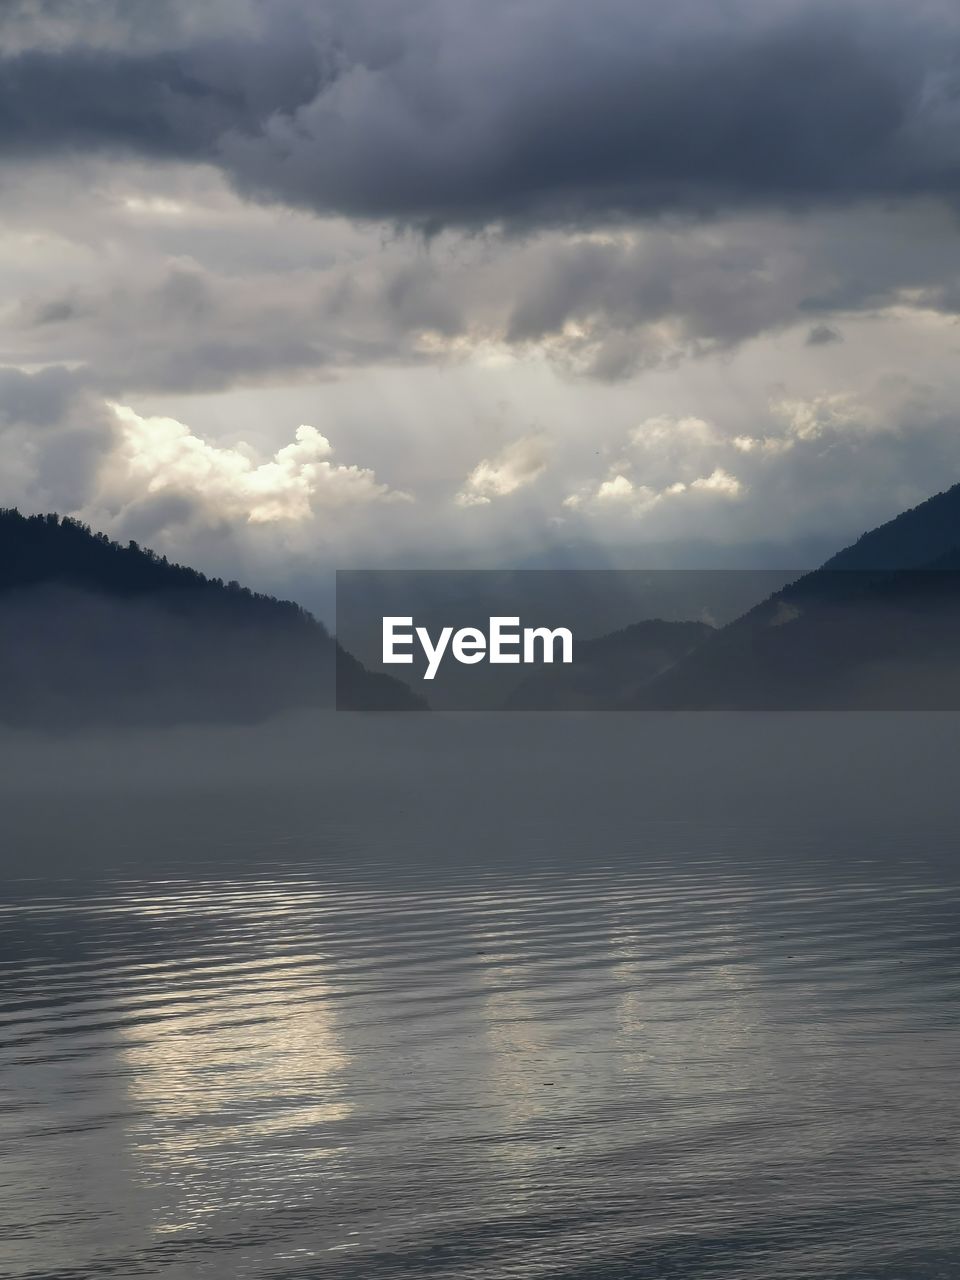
(525, 1012)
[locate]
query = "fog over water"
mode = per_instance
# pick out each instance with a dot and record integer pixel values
(466, 789)
(581, 996)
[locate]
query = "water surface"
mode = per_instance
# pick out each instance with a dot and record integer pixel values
(625, 1039)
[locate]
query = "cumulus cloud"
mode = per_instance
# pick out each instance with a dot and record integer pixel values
(809, 419)
(664, 434)
(718, 481)
(160, 456)
(617, 489)
(639, 499)
(665, 459)
(513, 468)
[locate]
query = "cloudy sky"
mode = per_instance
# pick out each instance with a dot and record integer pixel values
(290, 284)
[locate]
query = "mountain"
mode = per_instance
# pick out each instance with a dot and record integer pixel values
(916, 538)
(876, 627)
(92, 632)
(610, 671)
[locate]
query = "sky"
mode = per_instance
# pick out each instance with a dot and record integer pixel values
(290, 285)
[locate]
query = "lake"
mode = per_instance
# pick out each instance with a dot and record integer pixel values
(505, 996)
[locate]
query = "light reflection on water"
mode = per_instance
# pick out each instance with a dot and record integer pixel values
(649, 1068)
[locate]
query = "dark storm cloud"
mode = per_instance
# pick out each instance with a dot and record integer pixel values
(822, 335)
(177, 104)
(37, 399)
(54, 435)
(183, 329)
(457, 112)
(152, 318)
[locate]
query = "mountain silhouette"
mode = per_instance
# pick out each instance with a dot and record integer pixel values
(93, 632)
(877, 626)
(609, 671)
(915, 539)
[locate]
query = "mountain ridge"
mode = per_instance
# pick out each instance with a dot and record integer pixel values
(875, 626)
(95, 632)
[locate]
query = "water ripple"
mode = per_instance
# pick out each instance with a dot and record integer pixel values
(656, 1069)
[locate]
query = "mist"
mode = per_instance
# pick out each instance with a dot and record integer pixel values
(509, 788)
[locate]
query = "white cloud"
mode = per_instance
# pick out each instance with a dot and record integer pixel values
(665, 458)
(674, 449)
(620, 491)
(810, 419)
(515, 467)
(664, 432)
(616, 489)
(163, 456)
(719, 481)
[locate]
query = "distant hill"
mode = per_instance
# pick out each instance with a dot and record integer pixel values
(610, 671)
(93, 632)
(876, 627)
